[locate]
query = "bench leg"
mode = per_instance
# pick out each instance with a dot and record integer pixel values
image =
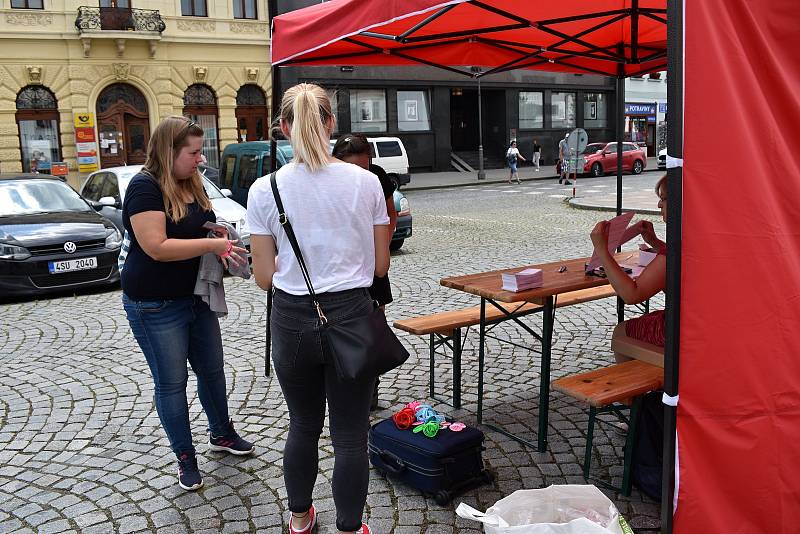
(587, 456)
(629, 441)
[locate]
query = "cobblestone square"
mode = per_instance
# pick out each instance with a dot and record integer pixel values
(81, 448)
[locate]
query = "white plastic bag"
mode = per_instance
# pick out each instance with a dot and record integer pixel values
(557, 509)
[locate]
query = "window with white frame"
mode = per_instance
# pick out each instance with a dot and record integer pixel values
(562, 110)
(368, 110)
(531, 110)
(412, 111)
(595, 110)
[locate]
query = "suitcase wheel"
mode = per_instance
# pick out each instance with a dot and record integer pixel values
(442, 497)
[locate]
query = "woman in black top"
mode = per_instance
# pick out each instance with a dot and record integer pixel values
(354, 148)
(164, 212)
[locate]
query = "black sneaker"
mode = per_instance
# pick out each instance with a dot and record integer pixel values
(189, 477)
(230, 442)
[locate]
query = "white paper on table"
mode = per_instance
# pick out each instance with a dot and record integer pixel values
(636, 270)
(616, 231)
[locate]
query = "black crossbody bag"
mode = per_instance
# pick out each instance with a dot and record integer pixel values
(361, 347)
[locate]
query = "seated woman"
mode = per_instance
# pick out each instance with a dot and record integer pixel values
(643, 337)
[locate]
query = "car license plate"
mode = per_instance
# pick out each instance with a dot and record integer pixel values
(79, 264)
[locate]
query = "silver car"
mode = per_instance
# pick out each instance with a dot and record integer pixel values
(105, 191)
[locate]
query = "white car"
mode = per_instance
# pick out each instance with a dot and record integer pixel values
(105, 191)
(662, 158)
(389, 153)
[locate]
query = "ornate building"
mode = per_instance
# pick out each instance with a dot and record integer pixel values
(87, 84)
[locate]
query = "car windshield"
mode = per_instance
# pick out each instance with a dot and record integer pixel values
(212, 190)
(591, 148)
(285, 147)
(20, 197)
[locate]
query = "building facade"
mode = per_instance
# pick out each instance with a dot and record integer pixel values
(86, 85)
(646, 111)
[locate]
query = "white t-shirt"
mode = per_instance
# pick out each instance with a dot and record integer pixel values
(333, 212)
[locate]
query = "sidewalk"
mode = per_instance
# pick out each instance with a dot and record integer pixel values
(633, 200)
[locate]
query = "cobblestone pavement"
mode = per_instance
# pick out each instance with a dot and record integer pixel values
(81, 449)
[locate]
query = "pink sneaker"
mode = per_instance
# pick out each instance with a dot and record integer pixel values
(364, 529)
(309, 527)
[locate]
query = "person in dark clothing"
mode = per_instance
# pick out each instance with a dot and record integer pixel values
(354, 148)
(164, 212)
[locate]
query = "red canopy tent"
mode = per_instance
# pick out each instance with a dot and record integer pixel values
(738, 432)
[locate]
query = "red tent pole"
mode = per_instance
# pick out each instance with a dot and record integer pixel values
(674, 233)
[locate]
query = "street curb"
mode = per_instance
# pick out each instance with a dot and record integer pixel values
(575, 204)
(494, 181)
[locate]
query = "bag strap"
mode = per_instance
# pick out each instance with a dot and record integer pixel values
(287, 227)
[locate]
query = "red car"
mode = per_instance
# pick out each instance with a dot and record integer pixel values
(600, 158)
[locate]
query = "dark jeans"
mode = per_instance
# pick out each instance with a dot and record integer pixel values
(170, 333)
(307, 377)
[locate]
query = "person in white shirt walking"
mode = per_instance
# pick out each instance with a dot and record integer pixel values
(512, 156)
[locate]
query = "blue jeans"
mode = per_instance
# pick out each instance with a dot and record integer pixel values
(170, 333)
(308, 378)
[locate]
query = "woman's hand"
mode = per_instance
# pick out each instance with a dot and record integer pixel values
(599, 237)
(647, 231)
(229, 253)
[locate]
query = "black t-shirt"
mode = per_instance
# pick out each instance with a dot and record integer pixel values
(144, 278)
(386, 183)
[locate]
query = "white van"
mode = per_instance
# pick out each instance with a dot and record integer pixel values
(389, 153)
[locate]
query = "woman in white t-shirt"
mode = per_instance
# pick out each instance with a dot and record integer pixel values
(338, 213)
(512, 155)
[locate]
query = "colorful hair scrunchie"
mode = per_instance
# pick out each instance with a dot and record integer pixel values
(404, 418)
(430, 429)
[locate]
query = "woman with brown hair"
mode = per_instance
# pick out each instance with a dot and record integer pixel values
(338, 213)
(164, 212)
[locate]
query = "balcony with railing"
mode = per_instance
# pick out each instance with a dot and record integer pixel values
(119, 23)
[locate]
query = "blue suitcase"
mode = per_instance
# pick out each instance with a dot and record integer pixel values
(441, 466)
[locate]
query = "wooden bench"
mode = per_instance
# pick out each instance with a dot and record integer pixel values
(608, 390)
(444, 328)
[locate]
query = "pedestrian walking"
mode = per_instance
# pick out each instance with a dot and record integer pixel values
(354, 148)
(163, 214)
(512, 157)
(537, 153)
(563, 159)
(338, 213)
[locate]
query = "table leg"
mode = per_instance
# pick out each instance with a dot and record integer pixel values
(457, 368)
(548, 316)
(481, 343)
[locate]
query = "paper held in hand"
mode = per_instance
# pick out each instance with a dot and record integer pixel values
(527, 279)
(617, 235)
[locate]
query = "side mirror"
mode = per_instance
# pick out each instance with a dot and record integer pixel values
(226, 192)
(107, 201)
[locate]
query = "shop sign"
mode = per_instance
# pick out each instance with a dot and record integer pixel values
(84, 120)
(662, 107)
(641, 109)
(59, 168)
(86, 142)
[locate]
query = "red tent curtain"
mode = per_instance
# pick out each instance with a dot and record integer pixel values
(739, 411)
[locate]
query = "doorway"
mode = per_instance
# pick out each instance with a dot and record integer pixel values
(116, 15)
(123, 126)
(464, 123)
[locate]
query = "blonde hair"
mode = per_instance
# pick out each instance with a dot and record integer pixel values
(306, 109)
(166, 142)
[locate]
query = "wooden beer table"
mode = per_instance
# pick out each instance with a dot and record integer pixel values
(488, 287)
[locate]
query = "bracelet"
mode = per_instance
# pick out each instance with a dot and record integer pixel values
(227, 252)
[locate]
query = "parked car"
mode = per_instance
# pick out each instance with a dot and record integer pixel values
(243, 163)
(51, 239)
(662, 158)
(600, 158)
(390, 154)
(104, 190)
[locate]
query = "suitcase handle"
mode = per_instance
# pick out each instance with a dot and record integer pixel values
(394, 464)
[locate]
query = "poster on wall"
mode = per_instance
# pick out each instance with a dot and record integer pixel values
(365, 110)
(86, 142)
(590, 110)
(39, 149)
(411, 110)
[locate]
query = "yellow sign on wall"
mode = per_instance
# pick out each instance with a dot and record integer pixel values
(83, 120)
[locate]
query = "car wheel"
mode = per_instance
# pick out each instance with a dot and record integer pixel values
(396, 244)
(637, 166)
(597, 169)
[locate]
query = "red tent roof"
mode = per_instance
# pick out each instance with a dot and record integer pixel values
(609, 37)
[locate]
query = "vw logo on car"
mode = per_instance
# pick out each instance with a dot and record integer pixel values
(69, 247)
